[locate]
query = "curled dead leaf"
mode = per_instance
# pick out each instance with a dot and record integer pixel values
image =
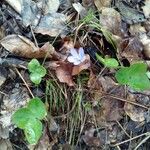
(23, 47)
(80, 9)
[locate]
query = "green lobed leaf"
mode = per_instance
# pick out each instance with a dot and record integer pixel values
(138, 68)
(37, 71)
(122, 75)
(101, 59)
(33, 131)
(37, 108)
(134, 76)
(41, 71)
(21, 117)
(108, 62)
(140, 82)
(35, 78)
(111, 62)
(33, 65)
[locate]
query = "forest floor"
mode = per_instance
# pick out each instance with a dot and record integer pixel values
(85, 64)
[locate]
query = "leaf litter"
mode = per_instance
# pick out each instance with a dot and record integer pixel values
(83, 96)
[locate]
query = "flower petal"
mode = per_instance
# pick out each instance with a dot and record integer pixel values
(77, 62)
(81, 52)
(74, 53)
(71, 59)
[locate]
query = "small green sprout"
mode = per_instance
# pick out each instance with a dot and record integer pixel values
(36, 70)
(134, 76)
(28, 119)
(108, 62)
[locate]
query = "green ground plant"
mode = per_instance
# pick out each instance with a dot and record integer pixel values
(29, 119)
(134, 76)
(36, 70)
(108, 62)
(92, 21)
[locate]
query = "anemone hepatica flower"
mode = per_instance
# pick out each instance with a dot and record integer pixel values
(76, 56)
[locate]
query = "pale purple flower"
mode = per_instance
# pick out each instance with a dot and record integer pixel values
(76, 56)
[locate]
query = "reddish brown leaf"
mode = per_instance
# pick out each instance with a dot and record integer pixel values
(64, 73)
(83, 66)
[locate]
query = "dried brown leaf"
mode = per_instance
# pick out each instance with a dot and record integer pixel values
(83, 66)
(48, 6)
(88, 4)
(112, 109)
(90, 139)
(134, 112)
(52, 24)
(64, 73)
(111, 20)
(23, 47)
(131, 49)
(102, 3)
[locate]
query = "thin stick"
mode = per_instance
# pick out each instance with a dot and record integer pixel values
(124, 100)
(3, 93)
(24, 82)
(34, 37)
(147, 133)
(123, 129)
(142, 142)
(118, 148)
